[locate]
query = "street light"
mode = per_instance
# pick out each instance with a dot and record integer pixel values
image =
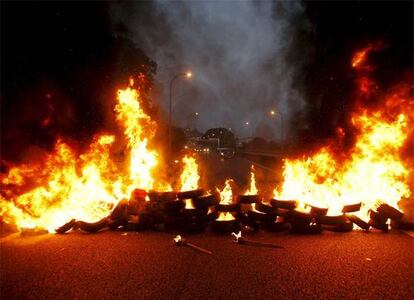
(273, 113)
(176, 76)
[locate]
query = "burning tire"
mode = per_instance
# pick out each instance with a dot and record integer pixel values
(390, 212)
(318, 211)
(377, 225)
(351, 208)
(261, 216)
(265, 208)
(332, 220)
(302, 217)
(275, 226)
(172, 206)
(344, 227)
(162, 196)
(358, 221)
(66, 227)
(402, 225)
(206, 201)
(249, 199)
(228, 207)
(377, 217)
(225, 226)
(190, 194)
(92, 227)
(211, 216)
(285, 204)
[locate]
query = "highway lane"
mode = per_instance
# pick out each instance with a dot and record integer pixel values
(147, 265)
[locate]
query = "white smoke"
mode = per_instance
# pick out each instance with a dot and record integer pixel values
(247, 59)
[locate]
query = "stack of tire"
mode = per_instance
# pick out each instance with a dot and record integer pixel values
(226, 225)
(193, 216)
(384, 212)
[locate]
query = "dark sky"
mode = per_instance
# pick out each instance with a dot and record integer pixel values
(59, 60)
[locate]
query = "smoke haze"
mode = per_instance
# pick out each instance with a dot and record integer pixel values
(247, 59)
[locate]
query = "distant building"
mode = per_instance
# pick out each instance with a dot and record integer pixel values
(215, 140)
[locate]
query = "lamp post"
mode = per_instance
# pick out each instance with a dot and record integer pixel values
(273, 113)
(188, 75)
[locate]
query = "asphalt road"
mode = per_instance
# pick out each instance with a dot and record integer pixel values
(147, 265)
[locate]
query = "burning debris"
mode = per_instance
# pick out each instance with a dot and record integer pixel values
(239, 239)
(326, 191)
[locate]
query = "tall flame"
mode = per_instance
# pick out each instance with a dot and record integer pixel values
(48, 193)
(139, 128)
(252, 189)
(373, 172)
(226, 198)
(189, 177)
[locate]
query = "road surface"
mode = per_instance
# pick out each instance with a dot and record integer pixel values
(147, 265)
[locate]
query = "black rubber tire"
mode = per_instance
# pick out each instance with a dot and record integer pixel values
(190, 194)
(211, 216)
(300, 217)
(378, 225)
(358, 222)
(249, 199)
(351, 208)
(194, 213)
(92, 227)
(275, 226)
(233, 207)
(172, 206)
(206, 201)
(378, 218)
(390, 212)
(120, 210)
(225, 227)
(261, 217)
(66, 227)
(332, 220)
(402, 225)
(344, 227)
(285, 204)
(318, 211)
(266, 208)
(162, 196)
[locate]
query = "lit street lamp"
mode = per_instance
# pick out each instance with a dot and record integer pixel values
(273, 113)
(188, 75)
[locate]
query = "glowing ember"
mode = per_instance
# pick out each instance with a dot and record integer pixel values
(189, 177)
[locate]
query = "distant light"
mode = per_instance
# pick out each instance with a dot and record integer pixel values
(247, 123)
(272, 112)
(185, 147)
(196, 113)
(176, 161)
(189, 74)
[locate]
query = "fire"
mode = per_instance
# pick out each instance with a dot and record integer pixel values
(139, 128)
(226, 198)
(65, 185)
(189, 177)
(83, 188)
(373, 172)
(252, 189)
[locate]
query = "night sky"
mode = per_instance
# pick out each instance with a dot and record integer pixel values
(61, 63)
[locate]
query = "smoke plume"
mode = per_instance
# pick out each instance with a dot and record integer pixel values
(247, 58)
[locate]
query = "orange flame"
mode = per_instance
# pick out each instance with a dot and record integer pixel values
(252, 189)
(374, 172)
(189, 177)
(86, 187)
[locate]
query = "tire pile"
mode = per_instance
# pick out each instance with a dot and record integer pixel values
(194, 211)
